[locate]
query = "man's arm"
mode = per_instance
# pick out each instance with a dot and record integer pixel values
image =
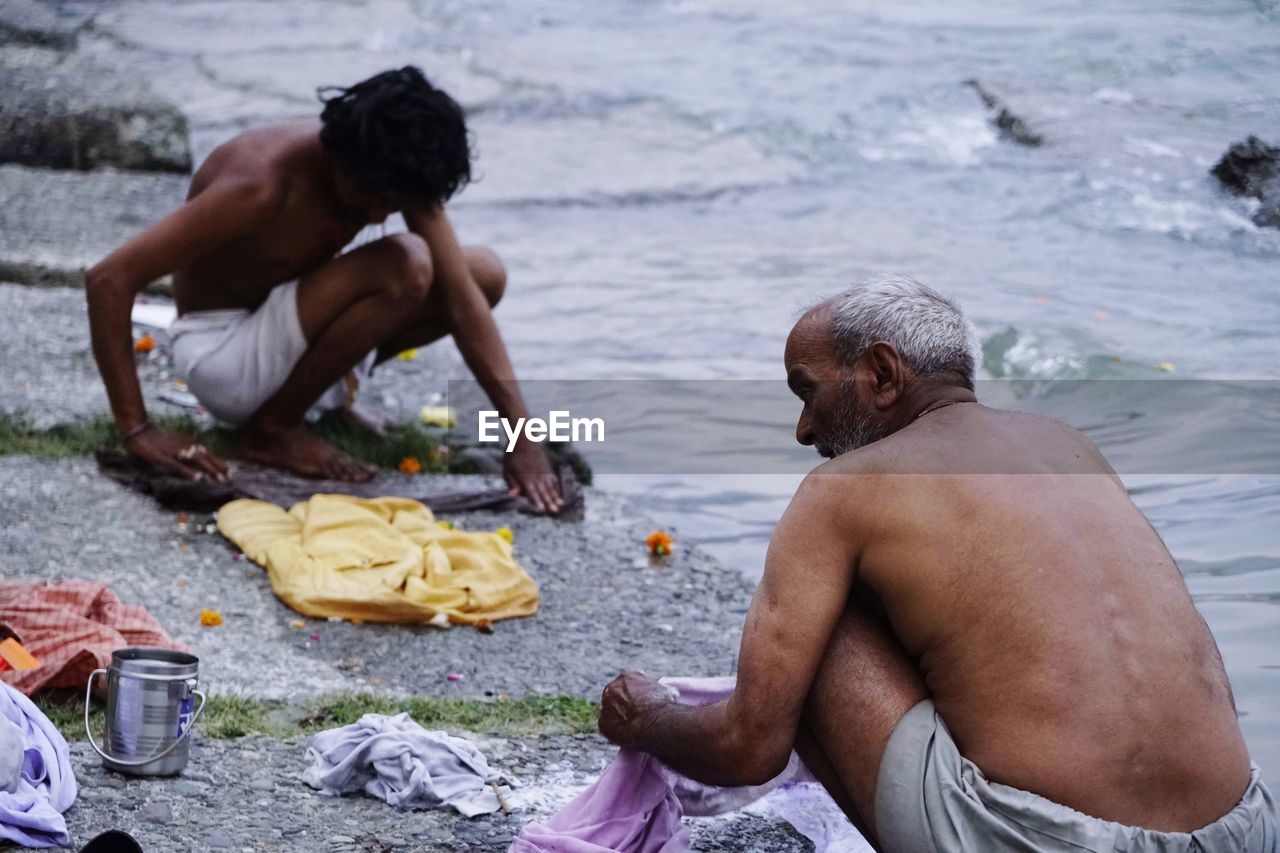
(470, 319)
(748, 738)
(199, 226)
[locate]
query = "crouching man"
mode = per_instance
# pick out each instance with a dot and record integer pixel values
(274, 319)
(965, 627)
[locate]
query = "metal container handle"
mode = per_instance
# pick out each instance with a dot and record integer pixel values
(88, 697)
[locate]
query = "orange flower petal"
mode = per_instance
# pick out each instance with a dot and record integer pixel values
(659, 542)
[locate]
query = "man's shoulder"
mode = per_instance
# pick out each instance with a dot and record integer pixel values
(984, 441)
(857, 471)
(259, 157)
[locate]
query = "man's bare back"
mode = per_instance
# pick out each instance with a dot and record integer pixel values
(1050, 624)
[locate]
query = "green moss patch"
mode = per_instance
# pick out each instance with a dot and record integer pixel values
(228, 717)
(84, 437)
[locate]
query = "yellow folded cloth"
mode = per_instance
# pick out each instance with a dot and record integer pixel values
(380, 560)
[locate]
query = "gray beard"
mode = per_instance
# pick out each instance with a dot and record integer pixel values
(854, 428)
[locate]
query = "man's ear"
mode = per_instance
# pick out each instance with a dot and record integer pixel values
(890, 373)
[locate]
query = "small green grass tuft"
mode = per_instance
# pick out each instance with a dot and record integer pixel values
(225, 717)
(84, 437)
(228, 717)
(531, 715)
(58, 442)
(402, 440)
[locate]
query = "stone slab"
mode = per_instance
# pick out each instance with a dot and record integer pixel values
(63, 111)
(247, 795)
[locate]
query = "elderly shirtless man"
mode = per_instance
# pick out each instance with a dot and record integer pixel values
(966, 629)
(273, 321)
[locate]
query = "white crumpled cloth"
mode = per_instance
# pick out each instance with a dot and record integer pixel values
(397, 760)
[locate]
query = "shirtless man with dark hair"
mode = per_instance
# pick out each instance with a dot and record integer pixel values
(273, 320)
(965, 627)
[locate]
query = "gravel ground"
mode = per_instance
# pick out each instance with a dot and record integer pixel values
(247, 795)
(604, 607)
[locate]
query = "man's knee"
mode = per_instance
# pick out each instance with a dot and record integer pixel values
(489, 273)
(864, 686)
(408, 273)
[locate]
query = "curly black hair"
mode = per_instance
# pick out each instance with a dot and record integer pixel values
(398, 136)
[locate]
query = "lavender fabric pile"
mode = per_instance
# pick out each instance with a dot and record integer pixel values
(36, 781)
(637, 804)
(397, 760)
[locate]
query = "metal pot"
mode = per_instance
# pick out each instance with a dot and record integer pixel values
(149, 711)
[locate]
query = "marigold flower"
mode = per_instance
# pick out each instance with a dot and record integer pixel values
(410, 465)
(144, 344)
(507, 534)
(210, 618)
(659, 543)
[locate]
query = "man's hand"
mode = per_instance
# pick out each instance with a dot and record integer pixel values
(528, 473)
(176, 455)
(629, 706)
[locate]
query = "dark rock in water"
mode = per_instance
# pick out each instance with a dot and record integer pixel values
(33, 23)
(1252, 168)
(1011, 126)
(1249, 167)
(61, 111)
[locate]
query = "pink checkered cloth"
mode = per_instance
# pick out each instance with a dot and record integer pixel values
(72, 627)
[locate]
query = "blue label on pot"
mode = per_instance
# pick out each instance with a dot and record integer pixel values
(184, 715)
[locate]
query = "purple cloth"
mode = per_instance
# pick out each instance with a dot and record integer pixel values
(632, 807)
(31, 815)
(637, 804)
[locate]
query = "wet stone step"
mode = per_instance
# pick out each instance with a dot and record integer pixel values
(54, 225)
(63, 111)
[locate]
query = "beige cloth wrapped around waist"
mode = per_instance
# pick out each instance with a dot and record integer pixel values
(929, 797)
(235, 360)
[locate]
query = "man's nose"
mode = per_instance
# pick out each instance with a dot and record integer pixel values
(804, 431)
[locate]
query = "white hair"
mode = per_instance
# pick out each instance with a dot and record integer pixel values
(926, 328)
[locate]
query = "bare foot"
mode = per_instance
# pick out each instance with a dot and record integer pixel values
(361, 418)
(301, 451)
